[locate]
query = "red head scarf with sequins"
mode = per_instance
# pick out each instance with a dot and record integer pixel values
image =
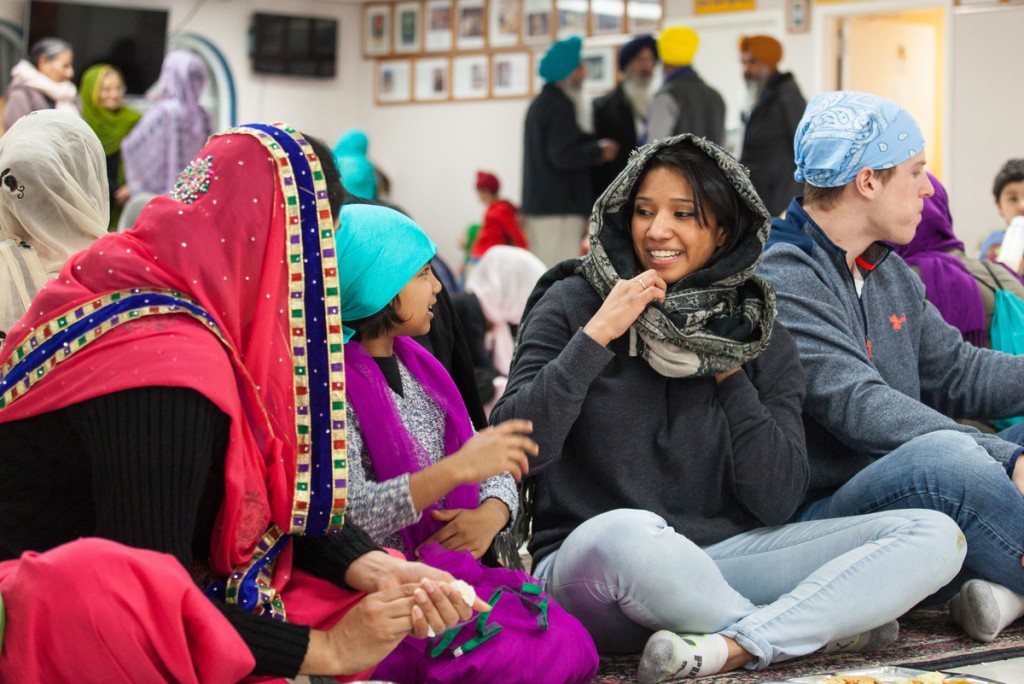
(227, 286)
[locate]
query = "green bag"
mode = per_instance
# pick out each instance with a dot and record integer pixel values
(1007, 333)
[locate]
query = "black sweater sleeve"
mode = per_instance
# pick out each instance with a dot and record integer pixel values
(157, 457)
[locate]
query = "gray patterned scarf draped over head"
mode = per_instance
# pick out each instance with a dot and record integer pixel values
(714, 319)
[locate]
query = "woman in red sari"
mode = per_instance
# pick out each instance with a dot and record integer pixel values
(179, 390)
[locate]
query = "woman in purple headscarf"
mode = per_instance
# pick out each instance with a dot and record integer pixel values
(172, 130)
(962, 289)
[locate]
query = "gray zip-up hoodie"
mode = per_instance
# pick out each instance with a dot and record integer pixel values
(882, 368)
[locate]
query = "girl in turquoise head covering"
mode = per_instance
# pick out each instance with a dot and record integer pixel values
(419, 480)
(382, 250)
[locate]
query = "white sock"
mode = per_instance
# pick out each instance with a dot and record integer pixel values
(676, 656)
(875, 639)
(984, 609)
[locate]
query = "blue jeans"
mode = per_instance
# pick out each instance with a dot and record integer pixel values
(945, 471)
(780, 592)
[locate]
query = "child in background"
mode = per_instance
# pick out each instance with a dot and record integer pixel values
(501, 225)
(1008, 191)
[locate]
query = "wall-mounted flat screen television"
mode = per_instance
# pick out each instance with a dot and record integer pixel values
(134, 40)
(296, 46)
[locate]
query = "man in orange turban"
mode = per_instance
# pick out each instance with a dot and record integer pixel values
(774, 107)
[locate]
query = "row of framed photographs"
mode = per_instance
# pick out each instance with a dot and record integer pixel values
(479, 76)
(411, 27)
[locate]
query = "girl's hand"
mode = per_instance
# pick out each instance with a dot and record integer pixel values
(495, 450)
(623, 306)
(470, 530)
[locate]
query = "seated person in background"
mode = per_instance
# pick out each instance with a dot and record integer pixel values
(357, 173)
(53, 203)
(498, 287)
(1008, 191)
(884, 371)
(962, 289)
(666, 404)
(418, 477)
(501, 225)
(157, 396)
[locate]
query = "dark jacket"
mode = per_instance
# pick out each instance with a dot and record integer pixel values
(613, 118)
(686, 104)
(768, 142)
(557, 157)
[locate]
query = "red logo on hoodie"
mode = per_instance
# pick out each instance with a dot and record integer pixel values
(897, 323)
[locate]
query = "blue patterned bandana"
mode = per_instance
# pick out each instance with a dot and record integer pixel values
(841, 132)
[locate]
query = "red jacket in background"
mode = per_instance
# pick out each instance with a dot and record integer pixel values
(500, 227)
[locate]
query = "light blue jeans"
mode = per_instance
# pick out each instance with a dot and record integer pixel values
(945, 471)
(780, 592)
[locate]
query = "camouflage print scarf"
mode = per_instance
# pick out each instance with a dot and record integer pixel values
(712, 320)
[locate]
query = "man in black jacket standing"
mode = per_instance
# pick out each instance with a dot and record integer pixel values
(775, 105)
(622, 114)
(558, 157)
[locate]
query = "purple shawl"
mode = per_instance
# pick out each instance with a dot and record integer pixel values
(173, 129)
(947, 282)
(393, 451)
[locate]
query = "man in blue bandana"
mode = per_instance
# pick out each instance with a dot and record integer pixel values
(884, 370)
(558, 157)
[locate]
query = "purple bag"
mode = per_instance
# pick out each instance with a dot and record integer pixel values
(525, 638)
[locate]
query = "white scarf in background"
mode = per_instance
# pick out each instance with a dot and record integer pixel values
(63, 94)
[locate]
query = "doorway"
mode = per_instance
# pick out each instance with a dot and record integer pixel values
(899, 55)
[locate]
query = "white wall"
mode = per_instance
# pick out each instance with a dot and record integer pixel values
(987, 116)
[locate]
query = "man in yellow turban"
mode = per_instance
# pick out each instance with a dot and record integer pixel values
(774, 107)
(685, 103)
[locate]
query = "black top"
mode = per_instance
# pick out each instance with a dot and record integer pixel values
(613, 118)
(768, 142)
(145, 468)
(557, 157)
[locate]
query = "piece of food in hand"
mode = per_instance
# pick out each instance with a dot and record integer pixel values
(467, 593)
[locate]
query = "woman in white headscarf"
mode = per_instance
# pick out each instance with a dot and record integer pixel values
(502, 282)
(53, 202)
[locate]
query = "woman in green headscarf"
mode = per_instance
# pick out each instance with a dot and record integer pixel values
(102, 108)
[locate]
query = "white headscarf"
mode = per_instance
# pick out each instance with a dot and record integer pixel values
(53, 198)
(502, 282)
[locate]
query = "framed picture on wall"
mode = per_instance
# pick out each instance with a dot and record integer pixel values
(393, 82)
(431, 79)
(798, 16)
(503, 23)
(643, 16)
(536, 21)
(599, 63)
(572, 18)
(470, 77)
(607, 17)
(376, 30)
(438, 23)
(510, 74)
(469, 24)
(408, 27)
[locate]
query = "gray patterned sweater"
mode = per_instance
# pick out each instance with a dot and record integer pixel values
(382, 509)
